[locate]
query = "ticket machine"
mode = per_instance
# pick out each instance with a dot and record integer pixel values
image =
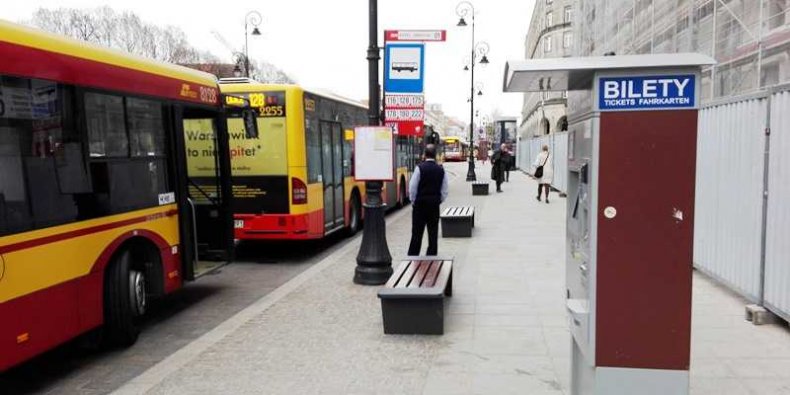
(630, 222)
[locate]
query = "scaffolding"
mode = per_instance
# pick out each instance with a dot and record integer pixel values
(750, 39)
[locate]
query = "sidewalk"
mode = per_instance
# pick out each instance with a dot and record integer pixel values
(506, 329)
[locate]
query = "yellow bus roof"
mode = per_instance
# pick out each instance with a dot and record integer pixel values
(232, 86)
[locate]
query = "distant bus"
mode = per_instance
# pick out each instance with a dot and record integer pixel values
(295, 181)
(454, 149)
(100, 207)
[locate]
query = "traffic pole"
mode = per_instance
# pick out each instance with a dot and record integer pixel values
(374, 262)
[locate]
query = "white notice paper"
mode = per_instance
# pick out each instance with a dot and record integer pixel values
(373, 153)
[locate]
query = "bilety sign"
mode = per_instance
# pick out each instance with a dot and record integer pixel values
(415, 35)
(647, 92)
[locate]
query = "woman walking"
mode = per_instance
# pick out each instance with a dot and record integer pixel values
(544, 171)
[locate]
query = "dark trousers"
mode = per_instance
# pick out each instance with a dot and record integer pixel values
(423, 215)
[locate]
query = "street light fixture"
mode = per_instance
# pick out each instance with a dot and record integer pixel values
(253, 18)
(466, 9)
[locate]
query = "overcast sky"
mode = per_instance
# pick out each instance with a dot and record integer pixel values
(323, 43)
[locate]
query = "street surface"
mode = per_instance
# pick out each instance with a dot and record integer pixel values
(172, 323)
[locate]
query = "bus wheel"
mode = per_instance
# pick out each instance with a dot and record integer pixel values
(125, 301)
(355, 215)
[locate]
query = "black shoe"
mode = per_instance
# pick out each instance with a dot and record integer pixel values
(547, 201)
(499, 190)
(538, 198)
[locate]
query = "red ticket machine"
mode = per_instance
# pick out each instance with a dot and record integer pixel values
(630, 220)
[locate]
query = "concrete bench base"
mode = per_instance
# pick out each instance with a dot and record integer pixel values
(458, 221)
(412, 300)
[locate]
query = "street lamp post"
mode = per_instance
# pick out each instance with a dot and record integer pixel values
(253, 18)
(374, 262)
(464, 9)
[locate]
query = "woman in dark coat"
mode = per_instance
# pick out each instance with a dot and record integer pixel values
(499, 162)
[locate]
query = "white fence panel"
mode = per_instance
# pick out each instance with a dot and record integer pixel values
(728, 219)
(559, 148)
(777, 255)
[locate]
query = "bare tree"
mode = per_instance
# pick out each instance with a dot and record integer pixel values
(127, 32)
(268, 73)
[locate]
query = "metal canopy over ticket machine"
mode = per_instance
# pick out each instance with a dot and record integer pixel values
(632, 165)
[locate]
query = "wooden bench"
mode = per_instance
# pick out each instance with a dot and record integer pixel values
(412, 300)
(480, 188)
(458, 221)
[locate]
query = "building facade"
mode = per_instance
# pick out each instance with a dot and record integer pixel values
(550, 35)
(750, 39)
(444, 124)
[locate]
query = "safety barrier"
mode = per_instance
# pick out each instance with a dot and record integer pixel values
(742, 221)
(558, 147)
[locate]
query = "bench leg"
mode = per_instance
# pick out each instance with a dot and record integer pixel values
(448, 290)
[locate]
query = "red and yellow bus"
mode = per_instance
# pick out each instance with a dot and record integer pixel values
(454, 149)
(295, 180)
(101, 206)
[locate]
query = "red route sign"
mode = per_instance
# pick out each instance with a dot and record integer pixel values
(415, 35)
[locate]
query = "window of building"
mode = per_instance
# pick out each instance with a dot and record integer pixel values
(549, 19)
(106, 126)
(547, 44)
(568, 14)
(778, 13)
(567, 39)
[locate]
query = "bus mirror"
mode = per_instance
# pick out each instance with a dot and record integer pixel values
(250, 123)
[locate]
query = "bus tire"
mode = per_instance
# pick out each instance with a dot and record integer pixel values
(354, 215)
(125, 301)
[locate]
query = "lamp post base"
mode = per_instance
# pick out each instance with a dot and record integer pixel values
(374, 262)
(470, 173)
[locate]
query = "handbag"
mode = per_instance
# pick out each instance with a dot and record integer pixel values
(539, 169)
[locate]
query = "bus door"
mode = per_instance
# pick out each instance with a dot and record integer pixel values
(207, 220)
(332, 160)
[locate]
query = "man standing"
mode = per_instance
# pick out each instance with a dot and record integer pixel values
(498, 164)
(427, 190)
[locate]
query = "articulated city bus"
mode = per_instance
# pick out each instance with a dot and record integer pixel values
(295, 181)
(454, 149)
(100, 207)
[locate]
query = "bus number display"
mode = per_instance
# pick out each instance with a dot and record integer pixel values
(269, 104)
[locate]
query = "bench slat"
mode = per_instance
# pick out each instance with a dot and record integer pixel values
(458, 211)
(418, 278)
(444, 272)
(430, 277)
(407, 275)
(397, 274)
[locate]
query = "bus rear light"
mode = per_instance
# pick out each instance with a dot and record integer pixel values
(299, 191)
(23, 338)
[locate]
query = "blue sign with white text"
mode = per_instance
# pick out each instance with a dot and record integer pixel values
(646, 92)
(403, 68)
